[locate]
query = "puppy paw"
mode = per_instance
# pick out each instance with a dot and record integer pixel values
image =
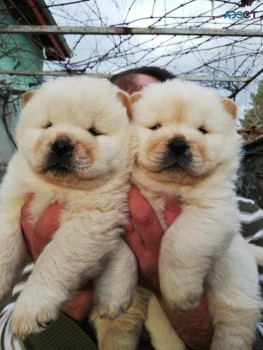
(28, 318)
(181, 297)
(186, 303)
(112, 307)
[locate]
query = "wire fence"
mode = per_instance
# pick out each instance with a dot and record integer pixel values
(219, 42)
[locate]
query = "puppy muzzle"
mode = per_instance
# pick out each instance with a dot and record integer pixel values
(177, 155)
(60, 157)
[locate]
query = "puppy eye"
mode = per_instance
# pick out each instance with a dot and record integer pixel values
(94, 132)
(155, 127)
(48, 125)
(203, 130)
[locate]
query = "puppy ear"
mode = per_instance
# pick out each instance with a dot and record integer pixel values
(135, 97)
(26, 96)
(125, 100)
(230, 106)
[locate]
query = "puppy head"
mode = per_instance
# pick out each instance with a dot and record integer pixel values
(185, 132)
(75, 131)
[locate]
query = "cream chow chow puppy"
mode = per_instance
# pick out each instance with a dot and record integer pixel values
(74, 147)
(188, 149)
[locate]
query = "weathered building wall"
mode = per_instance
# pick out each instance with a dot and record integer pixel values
(19, 52)
(8, 113)
(250, 184)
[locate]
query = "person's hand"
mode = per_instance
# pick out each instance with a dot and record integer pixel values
(193, 327)
(37, 237)
(143, 235)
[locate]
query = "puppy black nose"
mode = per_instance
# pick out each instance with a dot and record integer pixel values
(178, 146)
(62, 148)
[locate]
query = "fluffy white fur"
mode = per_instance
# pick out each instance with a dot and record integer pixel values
(188, 149)
(74, 147)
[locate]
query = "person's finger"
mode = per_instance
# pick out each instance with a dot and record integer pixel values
(49, 222)
(133, 239)
(25, 214)
(26, 225)
(25, 210)
(173, 209)
(46, 226)
(140, 208)
(144, 219)
(80, 304)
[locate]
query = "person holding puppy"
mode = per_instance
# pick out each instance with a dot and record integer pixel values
(143, 235)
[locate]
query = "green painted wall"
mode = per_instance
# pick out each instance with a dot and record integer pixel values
(18, 52)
